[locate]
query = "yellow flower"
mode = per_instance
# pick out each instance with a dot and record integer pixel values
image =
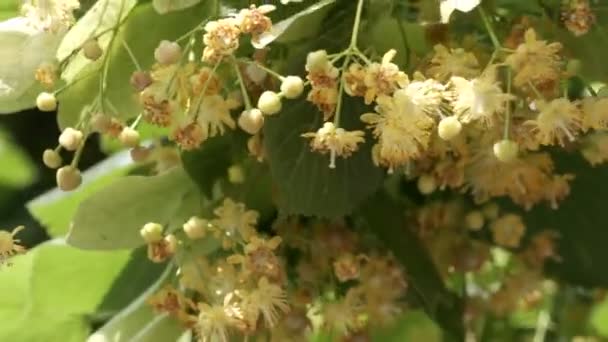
(234, 221)
(595, 113)
(527, 180)
(260, 258)
(427, 94)
(213, 114)
(341, 316)
(383, 78)
(268, 300)
(255, 22)
(188, 135)
(221, 39)
(453, 62)
(595, 148)
(402, 128)
(508, 230)
(170, 301)
(478, 99)
(10, 246)
(205, 76)
(354, 80)
(336, 141)
(325, 99)
(215, 321)
(578, 16)
(557, 120)
(535, 61)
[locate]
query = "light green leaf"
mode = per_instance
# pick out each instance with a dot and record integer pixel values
(166, 6)
(44, 296)
(55, 209)
(112, 217)
(18, 170)
(301, 25)
(306, 184)
(24, 49)
(9, 9)
(100, 18)
(142, 31)
(132, 320)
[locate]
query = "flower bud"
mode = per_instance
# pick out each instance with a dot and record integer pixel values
(316, 60)
(236, 174)
(140, 80)
(506, 150)
(427, 184)
(490, 211)
(100, 122)
(92, 50)
(269, 103)
(68, 178)
(151, 232)
(139, 154)
(71, 139)
(171, 242)
(251, 121)
(474, 220)
(255, 147)
(129, 137)
(195, 228)
(256, 74)
(51, 159)
(292, 87)
(46, 102)
(167, 52)
(449, 127)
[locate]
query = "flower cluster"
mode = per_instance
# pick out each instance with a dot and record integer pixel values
(245, 288)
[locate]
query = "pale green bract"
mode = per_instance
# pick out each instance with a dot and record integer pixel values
(166, 6)
(448, 6)
(24, 49)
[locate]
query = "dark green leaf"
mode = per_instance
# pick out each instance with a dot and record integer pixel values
(137, 275)
(306, 184)
(385, 218)
(209, 162)
(579, 220)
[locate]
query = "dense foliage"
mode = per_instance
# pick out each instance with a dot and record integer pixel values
(302, 170)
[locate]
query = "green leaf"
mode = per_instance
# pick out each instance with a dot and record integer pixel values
(166, 6)
(384, 217)
(43, 292)
(209, 162)
(136, 276)
(142, 31)
(302, 25)
(138, 322)
(306, 184)
(24, 49)
(599, 318)
(9, 9)
(256, 190)
(17, 169)
(100, 18)
(579, 221)
(112, 217)
(414, 325)
(55, 209)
